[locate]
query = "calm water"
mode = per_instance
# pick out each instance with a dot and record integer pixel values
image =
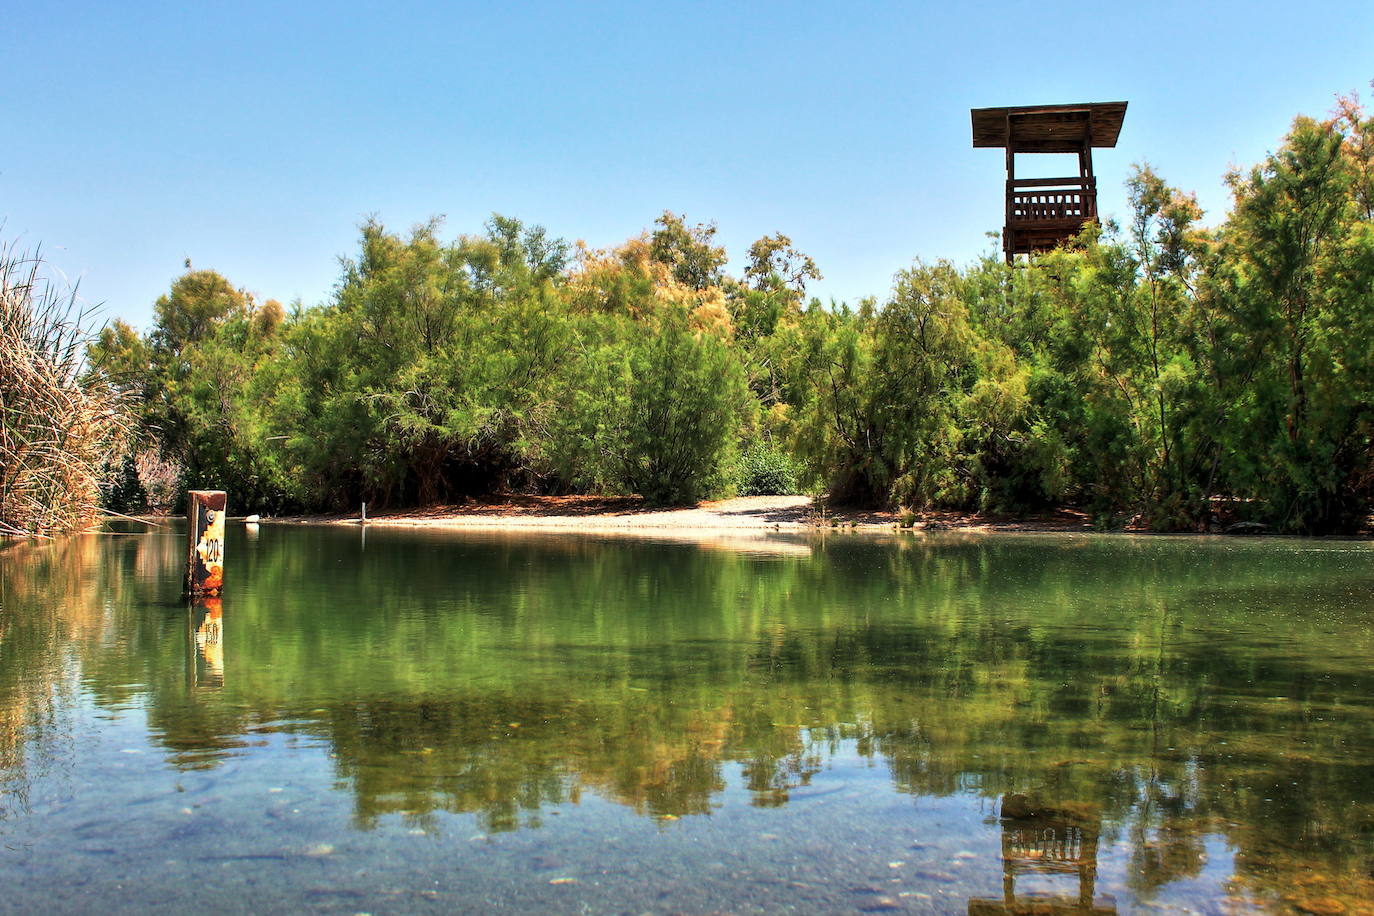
(424, 722)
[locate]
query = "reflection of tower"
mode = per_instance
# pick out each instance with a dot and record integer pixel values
(206, 630)
(1040, 840)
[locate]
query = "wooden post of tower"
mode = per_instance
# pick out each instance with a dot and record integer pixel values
(205, 542)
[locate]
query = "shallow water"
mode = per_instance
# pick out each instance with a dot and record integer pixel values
(415, 721)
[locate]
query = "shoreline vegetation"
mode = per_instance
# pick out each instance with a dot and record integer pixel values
(57, 421)
(1156, 374)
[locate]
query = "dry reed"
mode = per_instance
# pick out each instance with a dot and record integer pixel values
(58, 421)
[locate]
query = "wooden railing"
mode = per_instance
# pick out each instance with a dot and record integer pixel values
(1041, 199)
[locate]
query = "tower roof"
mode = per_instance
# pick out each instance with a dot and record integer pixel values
(1049, 128)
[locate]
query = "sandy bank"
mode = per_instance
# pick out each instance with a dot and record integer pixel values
(625, 515)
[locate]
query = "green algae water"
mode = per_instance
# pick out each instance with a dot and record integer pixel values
(397, 721)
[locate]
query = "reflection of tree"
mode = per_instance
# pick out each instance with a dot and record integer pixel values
(501, 755)
(50, 598)
(501, 676)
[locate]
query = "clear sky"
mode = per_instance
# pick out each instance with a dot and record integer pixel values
(253, 138)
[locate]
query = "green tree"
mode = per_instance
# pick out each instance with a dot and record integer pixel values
(688, 250)
(422, 380)
(899, 390)
(773, 261)
(1296, 274)
(653, 410)
(199, 301)
(123, 355)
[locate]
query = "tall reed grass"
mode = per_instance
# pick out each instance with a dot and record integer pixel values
(58, 420)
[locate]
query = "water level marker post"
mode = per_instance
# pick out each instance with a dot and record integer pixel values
(205, 542)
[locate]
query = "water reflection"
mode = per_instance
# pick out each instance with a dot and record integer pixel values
(1037, 840)
(205, 620)
(1152, 696)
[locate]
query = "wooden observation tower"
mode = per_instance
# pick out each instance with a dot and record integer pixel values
(1042, 212)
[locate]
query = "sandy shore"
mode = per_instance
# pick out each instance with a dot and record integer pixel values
(743, 514)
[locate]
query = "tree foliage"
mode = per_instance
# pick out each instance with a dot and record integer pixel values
(1158, 370)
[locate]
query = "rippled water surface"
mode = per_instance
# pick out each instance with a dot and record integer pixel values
(413, 721)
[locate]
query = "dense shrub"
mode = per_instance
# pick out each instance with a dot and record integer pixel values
(654, 411)
(765, 470)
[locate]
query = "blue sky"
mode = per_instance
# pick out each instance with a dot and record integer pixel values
(254, 138)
